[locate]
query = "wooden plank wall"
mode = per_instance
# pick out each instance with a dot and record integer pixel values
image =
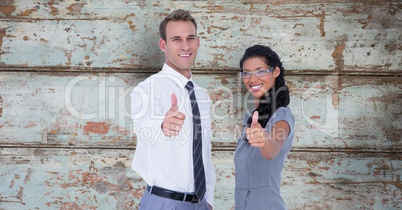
(67, 67)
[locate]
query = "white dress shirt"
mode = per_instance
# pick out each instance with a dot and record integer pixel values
(162, 161)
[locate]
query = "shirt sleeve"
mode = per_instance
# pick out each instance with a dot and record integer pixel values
(146, 113)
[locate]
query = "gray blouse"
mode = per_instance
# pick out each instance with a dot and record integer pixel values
(258, 179)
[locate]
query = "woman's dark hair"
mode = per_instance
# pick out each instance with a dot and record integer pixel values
(277, 96)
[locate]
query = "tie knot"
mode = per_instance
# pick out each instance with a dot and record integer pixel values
(189, 86)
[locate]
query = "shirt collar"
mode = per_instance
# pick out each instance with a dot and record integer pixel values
(176, 77)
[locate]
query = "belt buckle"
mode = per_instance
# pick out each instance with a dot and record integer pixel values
(194, 199)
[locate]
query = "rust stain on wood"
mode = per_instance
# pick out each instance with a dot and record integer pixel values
(96, 128)
(338, 55)
(54, 10)
(7, 7)
(130, 22)
(27, 12)
(391, 47)
(386, 98)
(28, 176)
(20, 195)
(30, 125)
(1, 107)
(72, 205)
(398, 183)
(12, 184)
(75, 8)
(322, 20)
(220, 28)
(2, 35)
(224, 81)
(68, 54)
(315, 117)
(53, 132)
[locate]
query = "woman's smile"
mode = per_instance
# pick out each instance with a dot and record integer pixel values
(256, 87)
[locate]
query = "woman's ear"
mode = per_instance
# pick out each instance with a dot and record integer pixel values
(277, 71)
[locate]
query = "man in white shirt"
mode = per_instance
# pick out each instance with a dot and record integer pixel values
(164, 110)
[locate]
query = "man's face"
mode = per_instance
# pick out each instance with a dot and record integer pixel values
(181, 46)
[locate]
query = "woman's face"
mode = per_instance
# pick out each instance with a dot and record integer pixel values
(258, 86)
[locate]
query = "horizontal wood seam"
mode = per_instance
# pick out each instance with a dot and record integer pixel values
(230, 148)
(196, 71)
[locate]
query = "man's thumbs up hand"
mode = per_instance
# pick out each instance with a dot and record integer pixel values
(174, 102)
(174, 119)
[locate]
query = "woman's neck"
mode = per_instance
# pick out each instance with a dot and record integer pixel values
(256, 102)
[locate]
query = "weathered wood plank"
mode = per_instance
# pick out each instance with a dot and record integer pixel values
(65, 140)
(317, 35)
(78, 43)
(347, 112)
(68, 179)
(101, 178)
(93, 109)
(66, 109)
(101, 9)
(321, 180)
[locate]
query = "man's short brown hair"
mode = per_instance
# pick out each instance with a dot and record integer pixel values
(176, 15)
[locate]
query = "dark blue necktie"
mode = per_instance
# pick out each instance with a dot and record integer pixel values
(199, 173)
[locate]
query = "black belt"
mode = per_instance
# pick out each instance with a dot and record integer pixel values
(172, 194)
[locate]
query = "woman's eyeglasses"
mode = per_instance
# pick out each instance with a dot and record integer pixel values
(258, 73)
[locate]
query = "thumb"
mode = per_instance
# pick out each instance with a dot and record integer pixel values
(254, 121)
(174, 101)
